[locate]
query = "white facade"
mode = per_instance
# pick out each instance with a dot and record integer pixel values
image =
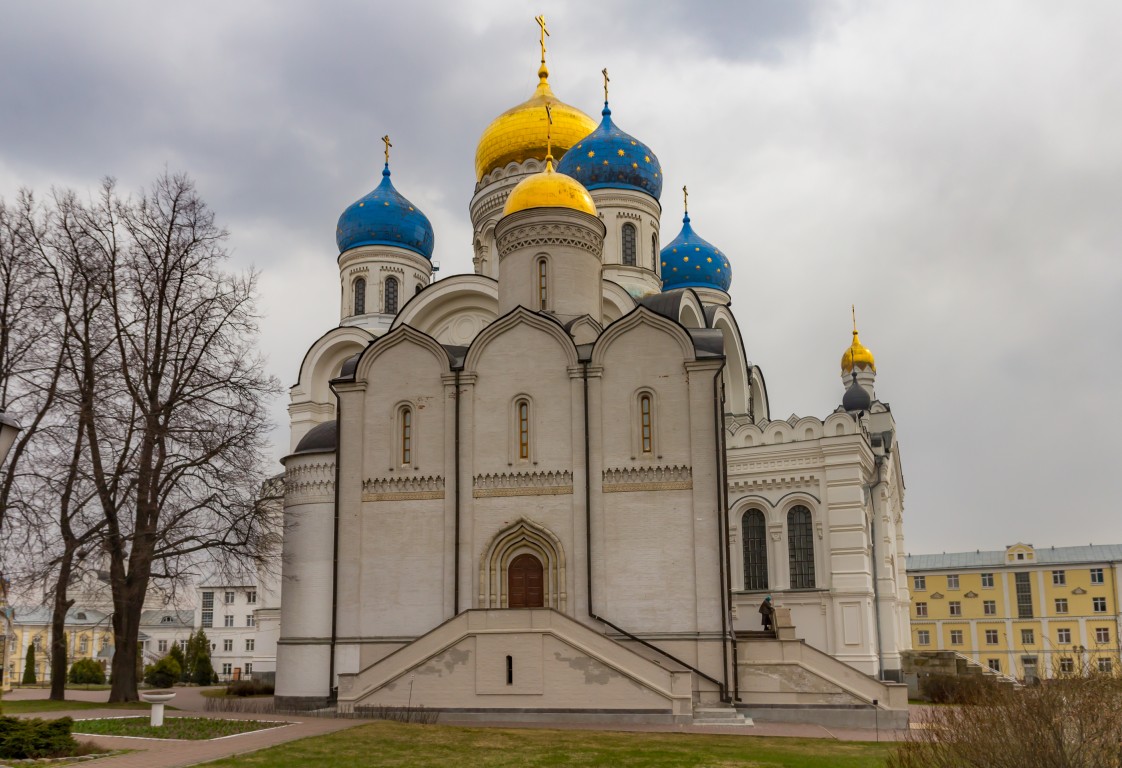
(226, 613)
(559, 412)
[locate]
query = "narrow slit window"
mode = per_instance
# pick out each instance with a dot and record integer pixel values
(406, 435)
(360, 296)
(645, 420)
(654, 252)
(391, 295)
(628, 239)
(543, 295)
(523, 429)
(510, 670)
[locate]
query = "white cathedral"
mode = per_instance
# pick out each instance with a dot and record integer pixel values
(554, 487)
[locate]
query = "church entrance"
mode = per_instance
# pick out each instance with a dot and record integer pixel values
(525, 583)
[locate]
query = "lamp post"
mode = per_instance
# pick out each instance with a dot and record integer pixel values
(9, 428)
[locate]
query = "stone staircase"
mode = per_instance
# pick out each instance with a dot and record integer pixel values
(722, 714)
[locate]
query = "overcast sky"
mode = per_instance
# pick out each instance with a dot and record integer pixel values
(952, 168)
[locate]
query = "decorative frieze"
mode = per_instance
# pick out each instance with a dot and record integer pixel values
(573, 235)
(309, 483)
(628, 479)
(403, 488)
(522, 484)
(772, 483)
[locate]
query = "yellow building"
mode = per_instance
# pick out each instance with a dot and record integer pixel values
(89, 635)
(1025, 612)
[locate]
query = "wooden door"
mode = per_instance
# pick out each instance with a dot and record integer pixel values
(525, 583)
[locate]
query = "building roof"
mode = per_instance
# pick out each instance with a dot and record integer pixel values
(1091, 553)
(41, 614)
(175, 619)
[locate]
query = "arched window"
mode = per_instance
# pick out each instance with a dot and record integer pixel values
(654, 252)
(646, 427)
(543, 296)
(522, 409)
(360, 296)
(628, 239)
(406, 435)
(754, 532)
(391, 296)
(418, 289)
(800, 548)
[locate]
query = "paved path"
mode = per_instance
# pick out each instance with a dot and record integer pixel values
(166, 753)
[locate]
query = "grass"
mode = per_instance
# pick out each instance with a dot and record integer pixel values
(45, 705)
(421, 746)
(191, 728)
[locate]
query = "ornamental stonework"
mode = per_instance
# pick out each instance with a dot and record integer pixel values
(403, 488)
(522, 484)
(630, 479)
(310, 483)
(536, 235)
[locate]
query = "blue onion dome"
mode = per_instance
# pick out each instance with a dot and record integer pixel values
(611, 158)
(384, 217)
(692, 262)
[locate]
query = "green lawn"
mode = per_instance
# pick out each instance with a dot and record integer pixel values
(419, 746)
(45, 705)
(193, 728)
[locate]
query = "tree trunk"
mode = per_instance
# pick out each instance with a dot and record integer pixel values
(58, 628)
(127, 604)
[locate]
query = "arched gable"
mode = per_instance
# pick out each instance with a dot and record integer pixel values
(642, 317)
(514, 318)
(403, 334)
(617, 301)
(324, 360)
(453, 310)
(737, 389)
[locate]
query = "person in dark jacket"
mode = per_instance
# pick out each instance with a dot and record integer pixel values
(767, 613)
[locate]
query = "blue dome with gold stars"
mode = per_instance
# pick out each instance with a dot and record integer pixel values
(610, 158)
(691, 262)
(384, 217)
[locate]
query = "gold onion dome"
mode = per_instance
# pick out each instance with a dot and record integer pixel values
(857, 354)
(520, 133)
(549, 189)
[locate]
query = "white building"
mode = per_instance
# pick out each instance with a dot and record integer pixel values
(575, 430)
(226, 613)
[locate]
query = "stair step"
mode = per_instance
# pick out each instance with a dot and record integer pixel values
(720, 716)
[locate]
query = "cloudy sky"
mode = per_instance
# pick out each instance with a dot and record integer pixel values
(952, 168)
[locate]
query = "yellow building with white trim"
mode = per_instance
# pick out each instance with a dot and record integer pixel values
(1025, 612)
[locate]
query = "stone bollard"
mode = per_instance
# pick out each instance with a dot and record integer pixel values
(157, 699)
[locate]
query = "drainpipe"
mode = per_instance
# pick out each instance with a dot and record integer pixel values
(876, 564)
(456, 502)
(723, 534)
(332, 691)
(588, 550)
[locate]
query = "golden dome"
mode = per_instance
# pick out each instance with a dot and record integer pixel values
(857, 354)
(520, 133)
(549, 189)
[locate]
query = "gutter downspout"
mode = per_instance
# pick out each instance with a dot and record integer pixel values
(876, 565)
(456, 465)
(725, 574)
(588, 550)
(332, 691)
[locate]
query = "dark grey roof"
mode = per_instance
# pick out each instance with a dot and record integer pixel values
(668, 303)
(349, 365)
(39, 614)
(1092, 553)
(183, 619)
(456, 353)
(856, 397)
(320, 439)
(707, 342)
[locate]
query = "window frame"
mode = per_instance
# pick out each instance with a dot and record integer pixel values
(1059, 578)
(1098, 605)
(405, 435)
(800, 547)
(919, 583)
(1028, 636)
(227, 620)
(989, 607)
(952, 581)
(1067, 665)
(921, 609)
(987, 581)
(954, 608)
(754, 550)
(358, 296)
(1102, 635)
(957, 637)
(992, 637)
(1060, 605)
(628, 254)
(391, 294)
(1063, 635)
(923, 637)
(541, 275)
(1097, 576)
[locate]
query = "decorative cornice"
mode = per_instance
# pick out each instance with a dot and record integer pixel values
(571, 234)
(629, 479)
(309, 483)
(403, 488)
(773, 483)
(522, 484)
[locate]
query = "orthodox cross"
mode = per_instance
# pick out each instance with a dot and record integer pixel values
(386, 141)
(606, 80)
(544, 34)
(685, 200)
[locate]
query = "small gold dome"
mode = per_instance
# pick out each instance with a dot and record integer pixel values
(549, 189)
(520, 133)
(858, 354)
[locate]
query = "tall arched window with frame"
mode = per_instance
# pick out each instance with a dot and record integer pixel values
(800, 547)
(522, 417)
(646, 423)
(406, 444)
(753, 531)
(360, 296)
(627, 238)
(654, 252)
(391, 296)
(543, 285)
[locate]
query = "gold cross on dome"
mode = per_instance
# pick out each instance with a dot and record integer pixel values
(386, 141)
(544, 33)
(606, 81)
